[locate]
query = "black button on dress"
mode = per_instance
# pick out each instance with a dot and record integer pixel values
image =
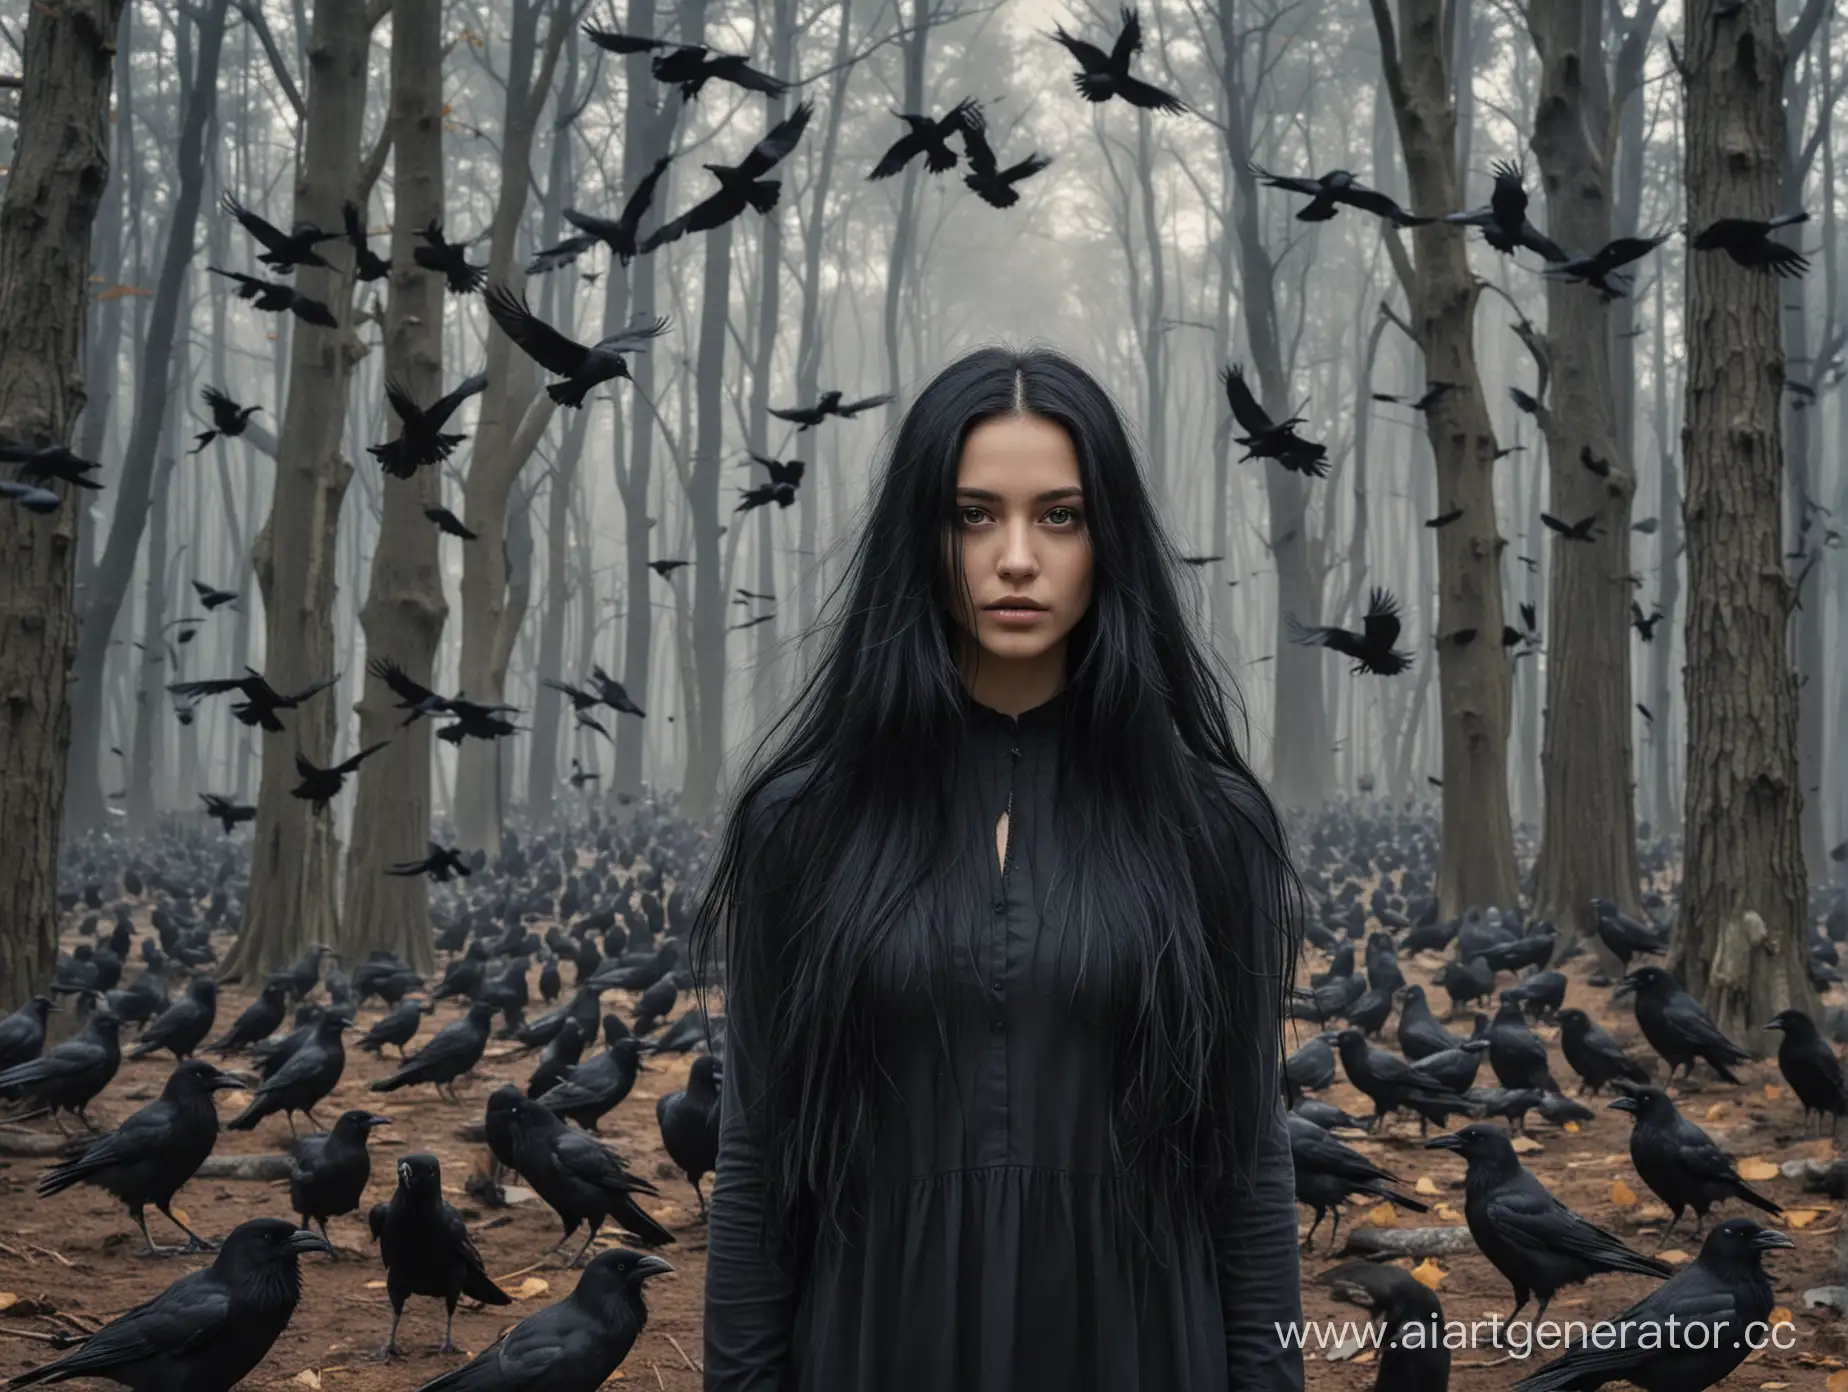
(999, 1251)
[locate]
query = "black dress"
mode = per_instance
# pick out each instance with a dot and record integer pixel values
(998, 1252)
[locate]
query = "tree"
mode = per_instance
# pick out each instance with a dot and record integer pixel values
(294, 851)
(1474, 684)
(1588, 838)
(1739, 940)
(405, 609)
(59, 168)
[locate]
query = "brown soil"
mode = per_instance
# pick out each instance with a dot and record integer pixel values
(74, 1254)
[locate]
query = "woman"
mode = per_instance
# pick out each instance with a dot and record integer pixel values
(1006, 926)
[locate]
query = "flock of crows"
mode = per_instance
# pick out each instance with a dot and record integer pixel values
(1529, 1236)
(613, 929)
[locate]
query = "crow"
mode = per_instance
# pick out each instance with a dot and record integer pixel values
(443, 864)
(40, 500)
(1748, 242)
(1371, 648)
(1808, 1064)
(596, 1087)
(285, 250)
(1594, 1055)
(582, 367)
(226, 812)
(1102, 76)
(1680, 1162)
(1329, 1173)
(1540, 995)
(399, 1027)
(619, 235)
(207, 1330)
(1724, 1292)
(44, 463)
(22, 1034)
(1644, 624)
(829, 404)
(1517, 1055)
(1677, 1027)
(367, 264)
(740, 186)
(427, 1250)
(422, 442)
(460, 275)
(449, 524)
(1598, 269)
(1266, 439)
(689, 1121)
(330, 1169)
(690, 65)
(1420, 1035)
(1571, 531)
(211, 597)
(228, 419)
(319, 786)
(577, 1178)
(1401, 1300)
(987, 180)
(154, 1152)
(412, 696)
(1624, 936)
(183, 1026)
(261, 1018)
(1388, 1080)
(312, 1072)
(1336, 187)
(559, 1058)
(928, 136)
(455, 1049)
(1312, 1067)
(276, 297)
(573, 1346)
(1504, 222)
(1434, 392)
(1535, 1241)
(261, 703)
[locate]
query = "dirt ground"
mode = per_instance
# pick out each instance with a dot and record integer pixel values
(67, 1262)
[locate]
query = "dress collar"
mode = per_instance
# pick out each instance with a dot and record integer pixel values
(1047, 715)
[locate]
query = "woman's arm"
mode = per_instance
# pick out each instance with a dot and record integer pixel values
(750, 1303)
(1259, 1277)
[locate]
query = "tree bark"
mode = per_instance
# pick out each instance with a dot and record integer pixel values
(504, 433)
(154, 392)
(59, 168)
(294, 853)
(405, 609)
(1588, 835)
(1668, 550)
(1739, 940)
(150, 693)
(1474, 686)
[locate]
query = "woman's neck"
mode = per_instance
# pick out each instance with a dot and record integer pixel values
(1011, 687)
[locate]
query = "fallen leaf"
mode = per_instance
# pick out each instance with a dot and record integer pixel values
(531, 1286)
(1756, 1167)
(180, 1214)
(1674, 1256)
(1622, 1194)
(1446, 1212)
(8, 1300)
(1717, 1110)
(1781, 1315)
(1429, 1273)
(375, 1285)
(1837, 1382)
(1527, 1145)
(1382, 1216)
(1803, 1217)
(1773, 1092)
(1424, 1185)
(308, 1377)
(1571, 1127)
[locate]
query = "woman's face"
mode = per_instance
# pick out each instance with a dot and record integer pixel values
(1020, 531)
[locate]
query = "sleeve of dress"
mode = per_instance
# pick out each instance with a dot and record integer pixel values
(750, 1302)
(1259, 1278)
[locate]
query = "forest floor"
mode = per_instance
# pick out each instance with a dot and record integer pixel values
(70, 1260)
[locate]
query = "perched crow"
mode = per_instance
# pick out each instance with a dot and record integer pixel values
(1594, 1055)
(1328, 1173)
(261, 1018)
(1516, 1053)
(154, 1152)
(399, 1027)
(312, 1072)
(573, 1346)
(1312, 1067)
(1416, 1364)
(1389, 1081)
(427, 1250)
(456, 1048)
(1371, 648)
(689, 1121)
(22, 1034)
(559, 1058)
(1268, 439)
(330, 1169)
(1535, 1241)
(577, 1178)
(207, 1330)
(184, 1025)
(1808, 1064)
(1677, 1027)
(1680, 1162)
(1102, 76)
(1748, 242)
(596, 1087)
(1724, 1292)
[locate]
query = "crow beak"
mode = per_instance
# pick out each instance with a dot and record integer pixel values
(1769, 1238)
(303, 1242)
(1624, 988)
(1775, 1025)
(225, 1082)
(373, 1119)
(654, 1266)
(1622, 1104)
(1446, 1142)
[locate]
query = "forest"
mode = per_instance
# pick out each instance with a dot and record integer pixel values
(433, 434)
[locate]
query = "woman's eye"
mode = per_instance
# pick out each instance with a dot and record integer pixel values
(969, 516)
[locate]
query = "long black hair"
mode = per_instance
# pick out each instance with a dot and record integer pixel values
(1180, 867)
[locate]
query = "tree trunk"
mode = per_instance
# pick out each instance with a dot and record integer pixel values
(502, 426)
(154, 391)
(1474, 686)
(706, 708)
(59, 168)
(294, 853)
(150, 692)
(405, 609)
(1668, 551)
(1739, 941)
(1588, 836)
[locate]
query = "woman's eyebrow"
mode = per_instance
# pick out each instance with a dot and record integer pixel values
(1048, 496)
